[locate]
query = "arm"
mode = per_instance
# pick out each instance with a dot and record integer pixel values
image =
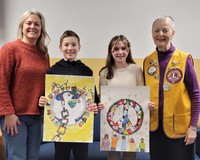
(192, 86)
(140, 77)
(102, 82)
(7, 68)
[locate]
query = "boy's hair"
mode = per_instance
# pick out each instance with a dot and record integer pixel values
(69, 33)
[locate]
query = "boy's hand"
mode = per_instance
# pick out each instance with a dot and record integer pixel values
(93, 108)
(42, 101)
(101, 106)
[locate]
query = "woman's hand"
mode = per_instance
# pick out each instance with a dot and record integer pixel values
(42, 101)
(151, 105)
(10, 124)
(190, 135)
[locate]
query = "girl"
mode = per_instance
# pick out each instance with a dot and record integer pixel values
(120, 70)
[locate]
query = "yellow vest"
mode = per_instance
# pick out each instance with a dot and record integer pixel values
(177, 104)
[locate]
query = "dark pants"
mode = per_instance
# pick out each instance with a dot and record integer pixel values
(63, 150)
(164, 148)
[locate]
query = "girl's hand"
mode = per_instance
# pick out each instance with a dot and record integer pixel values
(151, 105)
(42, 101)
(101, 106)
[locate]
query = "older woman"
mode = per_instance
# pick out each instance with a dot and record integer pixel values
(175, 94)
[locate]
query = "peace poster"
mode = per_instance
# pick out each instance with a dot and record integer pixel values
(125, 119)
(67, 116)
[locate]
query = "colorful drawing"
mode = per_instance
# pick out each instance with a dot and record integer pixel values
(142, 145)
(114, 141)
(105, 142)
(125, 115)
(124, 125)
(67, 116)
(132, 146)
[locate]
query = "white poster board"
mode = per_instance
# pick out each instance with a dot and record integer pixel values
(125, 119)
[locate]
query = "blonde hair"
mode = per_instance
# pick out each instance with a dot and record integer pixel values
(41, 40)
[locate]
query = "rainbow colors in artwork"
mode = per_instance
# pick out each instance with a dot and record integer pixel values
(67, 115)
(125, 119)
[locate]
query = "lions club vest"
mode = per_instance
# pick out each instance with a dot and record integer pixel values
(177, 104)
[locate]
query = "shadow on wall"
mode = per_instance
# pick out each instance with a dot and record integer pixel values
(2, 19)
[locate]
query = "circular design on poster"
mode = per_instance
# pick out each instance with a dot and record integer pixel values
(125, 116)
(75, 107)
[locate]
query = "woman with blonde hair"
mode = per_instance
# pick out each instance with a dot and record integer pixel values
(23, 65)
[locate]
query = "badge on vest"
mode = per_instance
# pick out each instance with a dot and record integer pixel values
(174, 75)
(166, 87)
(152, 70)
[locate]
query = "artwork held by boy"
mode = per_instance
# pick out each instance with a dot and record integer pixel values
(125, 119)
(67, 115)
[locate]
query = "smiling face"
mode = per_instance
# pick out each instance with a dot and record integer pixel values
(120, 52)
(31, 29)
(70, 47)
(162, 33)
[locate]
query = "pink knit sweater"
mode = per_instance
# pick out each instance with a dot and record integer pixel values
(22, 78)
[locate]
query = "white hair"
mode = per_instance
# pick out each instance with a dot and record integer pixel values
(163, 18)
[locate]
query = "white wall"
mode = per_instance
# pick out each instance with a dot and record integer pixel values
(97, 21)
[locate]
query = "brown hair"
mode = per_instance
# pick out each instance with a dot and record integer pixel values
(69, 33)
(110, 59)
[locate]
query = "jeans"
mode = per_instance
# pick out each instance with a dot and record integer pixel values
(26, 144)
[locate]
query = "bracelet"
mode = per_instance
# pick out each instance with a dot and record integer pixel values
(194, 129)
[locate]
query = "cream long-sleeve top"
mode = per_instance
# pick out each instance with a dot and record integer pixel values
(130, 76)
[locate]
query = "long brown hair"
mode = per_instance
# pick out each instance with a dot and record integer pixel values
(110, 59)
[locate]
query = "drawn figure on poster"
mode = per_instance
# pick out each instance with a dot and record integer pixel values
(142, 145)
(122, 123)
(69, 105)
(105, 142)
(132, 146)
(114, 141)
(123, 144)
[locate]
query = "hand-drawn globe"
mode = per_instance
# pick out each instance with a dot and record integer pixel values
(74, 106)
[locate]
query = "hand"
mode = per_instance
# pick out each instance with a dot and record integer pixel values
(42, 101)
(10, 124)
(93, 108)
(101, 106)
(190, 135)
(151, 105)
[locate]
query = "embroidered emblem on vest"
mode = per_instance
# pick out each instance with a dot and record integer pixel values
(174, 75)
